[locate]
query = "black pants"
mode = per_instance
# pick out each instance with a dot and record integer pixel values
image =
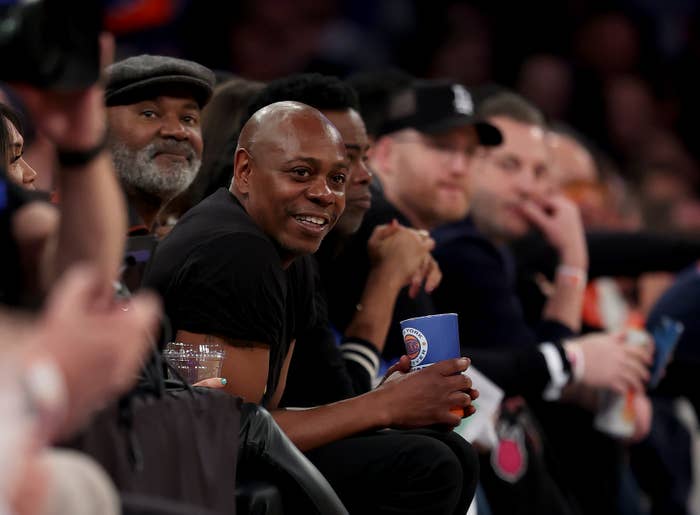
(391, 472)
(584, 462)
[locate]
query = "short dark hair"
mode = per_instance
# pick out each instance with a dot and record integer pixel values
(511, 105)
(375, 89)
(323, 92)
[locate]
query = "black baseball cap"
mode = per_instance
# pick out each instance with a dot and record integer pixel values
(434, 106)
(138, 78)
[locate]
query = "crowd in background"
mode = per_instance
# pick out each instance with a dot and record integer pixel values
(464, 125)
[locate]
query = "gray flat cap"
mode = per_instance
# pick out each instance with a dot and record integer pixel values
(145, 76)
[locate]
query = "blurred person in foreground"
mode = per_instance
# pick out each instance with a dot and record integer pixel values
(84, 348)
(12, 148)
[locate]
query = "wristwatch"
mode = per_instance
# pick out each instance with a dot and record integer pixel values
(45, 393)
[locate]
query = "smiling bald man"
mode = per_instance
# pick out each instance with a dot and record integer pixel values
(228, 272)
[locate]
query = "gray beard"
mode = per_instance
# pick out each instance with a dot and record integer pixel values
(138, 171)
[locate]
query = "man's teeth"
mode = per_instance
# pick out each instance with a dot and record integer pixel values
(312, 219)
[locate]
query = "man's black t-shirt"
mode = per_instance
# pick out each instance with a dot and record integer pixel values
(219, 274)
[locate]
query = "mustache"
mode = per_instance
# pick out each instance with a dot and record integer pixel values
(171, 146)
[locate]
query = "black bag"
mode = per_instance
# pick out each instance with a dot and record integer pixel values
(169, 441)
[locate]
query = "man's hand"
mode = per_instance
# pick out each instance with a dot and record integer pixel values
(404, 253)
(98, 344)
(402, 366)
(425, 397)
(74, 120)
(611, 363)
(559, 220)
(643, 413)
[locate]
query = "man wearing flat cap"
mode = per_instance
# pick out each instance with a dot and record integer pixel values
(154, 108)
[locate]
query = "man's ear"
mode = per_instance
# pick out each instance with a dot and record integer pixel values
(383, 155)
(242, 168)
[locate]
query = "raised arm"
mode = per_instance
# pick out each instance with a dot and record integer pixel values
(92, 221)
(559, 220)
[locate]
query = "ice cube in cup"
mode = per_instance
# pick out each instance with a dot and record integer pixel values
(195, 361)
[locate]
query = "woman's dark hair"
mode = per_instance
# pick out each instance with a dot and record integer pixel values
(6, 153)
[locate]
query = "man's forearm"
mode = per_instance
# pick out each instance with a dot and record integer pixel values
(373, 317)
(566, 302)
(315, 427)
(92, 225)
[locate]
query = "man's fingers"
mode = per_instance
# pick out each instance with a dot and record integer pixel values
(630, 380)
(641, 353)
(144, 310)
(107, 46)
(453, 366)
(77, 288)
(460, 399)
(382, 232)
(618, 336)
(459, 382)
(416, 283)
(403, 365)
(640, 371)
(434, 276)
(619, 386)
(535, 214)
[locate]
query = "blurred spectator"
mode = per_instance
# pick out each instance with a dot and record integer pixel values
(608, 44)
(464, 54)
(12, 149)
(546, 80)
(374, 89)
(630, 112)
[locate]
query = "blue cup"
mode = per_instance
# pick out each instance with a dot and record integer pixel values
(430, 339)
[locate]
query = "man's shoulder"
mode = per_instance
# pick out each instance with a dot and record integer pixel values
(218, 219)
(222, 207)
(217, 234)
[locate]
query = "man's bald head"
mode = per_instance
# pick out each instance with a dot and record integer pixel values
(272, 121)
(290, 170)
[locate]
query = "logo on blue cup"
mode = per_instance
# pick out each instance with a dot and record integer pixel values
(416, 345)
(441, 330)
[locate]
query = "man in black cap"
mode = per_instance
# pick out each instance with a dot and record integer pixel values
(154, 108)
(421, 157)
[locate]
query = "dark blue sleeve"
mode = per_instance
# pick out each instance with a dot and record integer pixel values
(476, 286)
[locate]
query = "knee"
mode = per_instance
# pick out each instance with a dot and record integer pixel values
(435, 471)
(468, 459)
